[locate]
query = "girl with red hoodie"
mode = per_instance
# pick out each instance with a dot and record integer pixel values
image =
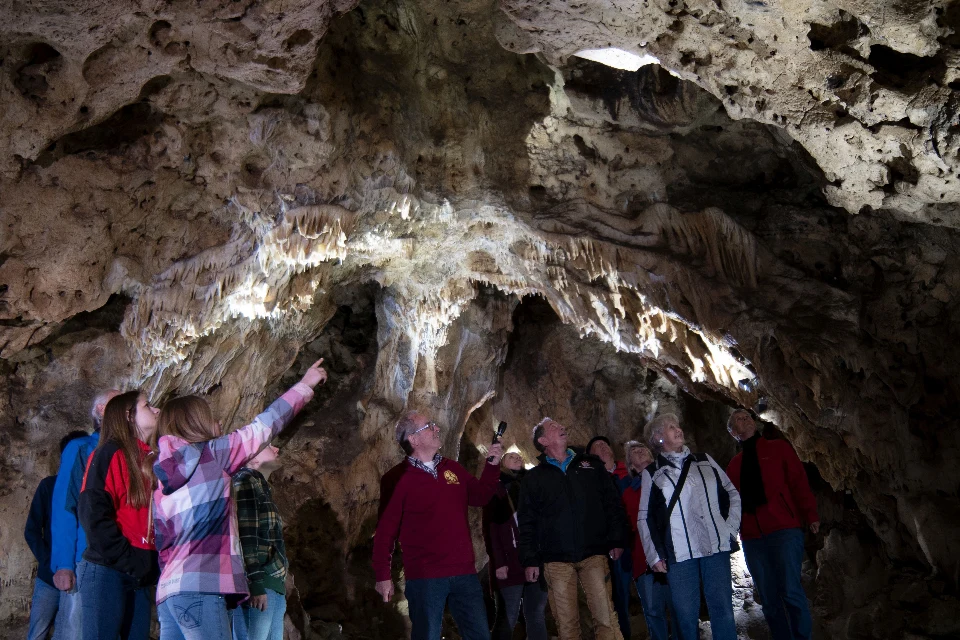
(120, 562)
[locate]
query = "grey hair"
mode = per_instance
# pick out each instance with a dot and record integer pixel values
(101, 400)
(403, 428)
(735, 412)
(654, 430)
(538, 433)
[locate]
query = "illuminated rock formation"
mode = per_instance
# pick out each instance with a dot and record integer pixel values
(463, 216)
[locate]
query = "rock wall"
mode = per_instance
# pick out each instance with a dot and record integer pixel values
(462, 216)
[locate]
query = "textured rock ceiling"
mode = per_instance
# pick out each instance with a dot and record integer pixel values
(190, 192)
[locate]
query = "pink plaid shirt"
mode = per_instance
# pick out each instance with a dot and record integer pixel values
(194, 521)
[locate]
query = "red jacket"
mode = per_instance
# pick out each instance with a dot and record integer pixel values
(790, 502)
(429, 516)
(118, 533)
(501, 535)
(631, 502)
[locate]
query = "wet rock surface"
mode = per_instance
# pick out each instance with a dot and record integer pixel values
(465, 218)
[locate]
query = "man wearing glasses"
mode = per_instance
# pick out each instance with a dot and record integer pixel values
(423, 503)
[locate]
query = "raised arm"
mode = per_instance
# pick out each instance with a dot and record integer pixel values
(479, 492)
(236, 449)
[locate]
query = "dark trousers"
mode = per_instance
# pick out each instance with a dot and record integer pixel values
(774, 561)
(686, 578)
(534, 599)
(426, 598)
(114, 604)
(622, 583)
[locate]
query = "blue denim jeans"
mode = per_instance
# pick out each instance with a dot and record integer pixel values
(114, 604)
(621, 578)
(774, 562)
(655, 598)
(713, 574)
(249, 623)
(534, 600)
(69, 614)
(43, 609)
(194, 616)
(426, 598)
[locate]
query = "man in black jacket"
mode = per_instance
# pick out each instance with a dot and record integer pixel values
(571, 520)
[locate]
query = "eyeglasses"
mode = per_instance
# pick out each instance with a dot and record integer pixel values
(429, 425)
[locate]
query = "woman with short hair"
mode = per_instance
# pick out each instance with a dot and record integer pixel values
(689, 512)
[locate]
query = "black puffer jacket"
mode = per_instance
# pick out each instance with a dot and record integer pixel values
(566, 517)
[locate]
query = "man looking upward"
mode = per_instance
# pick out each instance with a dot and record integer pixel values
(423, 503)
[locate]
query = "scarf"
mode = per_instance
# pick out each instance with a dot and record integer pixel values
(676, 458)
(751, 480)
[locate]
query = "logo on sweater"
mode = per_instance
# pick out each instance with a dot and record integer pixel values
(450, 477)
(586, 465)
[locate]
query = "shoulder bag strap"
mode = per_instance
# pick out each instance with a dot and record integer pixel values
(679, 487)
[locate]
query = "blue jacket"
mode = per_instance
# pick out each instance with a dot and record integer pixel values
(37, 530)
(69, 541)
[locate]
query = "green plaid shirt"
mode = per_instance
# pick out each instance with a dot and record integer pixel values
(261, 532)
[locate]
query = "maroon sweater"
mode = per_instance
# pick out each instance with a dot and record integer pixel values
(429, 516)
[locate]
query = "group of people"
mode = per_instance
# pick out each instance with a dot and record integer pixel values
(162, 501)
(664, 522)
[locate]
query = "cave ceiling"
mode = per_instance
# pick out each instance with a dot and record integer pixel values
(191, 192)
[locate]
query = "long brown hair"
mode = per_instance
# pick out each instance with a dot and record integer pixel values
(188, 417)
(120, 426)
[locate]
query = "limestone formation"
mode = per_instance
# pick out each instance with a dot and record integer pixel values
(465, 217)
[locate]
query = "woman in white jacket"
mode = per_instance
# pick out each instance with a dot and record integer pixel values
(687, 534)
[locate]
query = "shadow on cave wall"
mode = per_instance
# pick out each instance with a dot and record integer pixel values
(455, 102)
(334, 582)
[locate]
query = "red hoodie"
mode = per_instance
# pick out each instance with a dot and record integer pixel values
(118, 534)
(790, 502)
(429, 516)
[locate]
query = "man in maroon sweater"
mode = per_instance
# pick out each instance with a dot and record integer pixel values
(423, 502)
(777, 503)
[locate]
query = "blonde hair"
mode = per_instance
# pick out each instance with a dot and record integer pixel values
(503, 458)
(629, 446)
(189, 418)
